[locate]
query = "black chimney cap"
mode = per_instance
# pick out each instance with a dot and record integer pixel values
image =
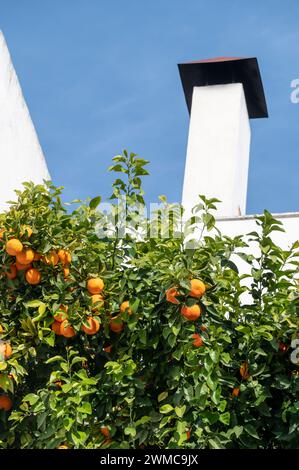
(224, 70)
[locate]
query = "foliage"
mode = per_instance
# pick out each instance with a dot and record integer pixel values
(147, 386)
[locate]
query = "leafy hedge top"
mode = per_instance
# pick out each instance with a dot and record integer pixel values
(225, 379)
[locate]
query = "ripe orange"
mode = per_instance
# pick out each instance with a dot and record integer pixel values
(2, 232)
(105, 431)
(116, 324)
(235, 392)
(125, 307)
(61, 313)
(5, 350)
(66, 329)
(12, 273)
(198, 342)
(191, 313)
(108, 348)
(93, 327)
(188, 435)
(33, 276)
(171, 295)
(13, 247)
(56, 328)
(23, 267)
(197, 288)
(95, 285)
(26, 256)
(244, 370)
(97, 300)
(37, 257)
(26, 231)
(65, 257)
(1, 329)
(5, 403)
(66, 272)
(51, 258)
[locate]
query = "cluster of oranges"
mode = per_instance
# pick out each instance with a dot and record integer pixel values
(193, 312)
(91, 325)
(25, 256)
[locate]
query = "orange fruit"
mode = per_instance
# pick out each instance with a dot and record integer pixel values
(26, 256)
(5, 403)
(125, 307)
(171, 295)
(1, 329)
(61, 313)
(64, 256)
(26, 231)
(108, 348)
(12, 273)
(188, 435)
(244, 370)
(95, 285)
(116, 324)
(5, 350)
(191, 313)
(51, 258)
(56, 328)
(197, 288)
(66, 329)
(93, 327)
(2, 232)
(13, 247)
(198, 342)
(23, 267)
(33, 276)
(105, 431)
(98, 300)
(66, 272)
(235, 392)
(37, 257)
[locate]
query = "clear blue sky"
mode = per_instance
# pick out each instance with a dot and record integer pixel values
(101, 75)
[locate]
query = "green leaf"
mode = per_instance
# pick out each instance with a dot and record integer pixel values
(85, 408)
(251, 431)
(180, 411)
(95, 202)
(225, 418)
(54, 359)
(130, 431)
(162, 396)
(31, 398)
(165, 409)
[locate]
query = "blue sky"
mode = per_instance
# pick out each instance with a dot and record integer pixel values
(101, 75)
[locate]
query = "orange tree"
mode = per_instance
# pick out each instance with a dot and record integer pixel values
(119, 338)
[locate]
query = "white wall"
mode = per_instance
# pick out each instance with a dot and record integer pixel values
(21, 156)
(218, 148)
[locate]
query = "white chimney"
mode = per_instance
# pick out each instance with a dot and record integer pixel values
(221, 94)
(21, 156)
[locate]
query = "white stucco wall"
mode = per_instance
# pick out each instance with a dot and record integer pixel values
(218, 148)
(21, 156)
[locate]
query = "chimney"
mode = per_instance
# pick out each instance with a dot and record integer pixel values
(222, 94)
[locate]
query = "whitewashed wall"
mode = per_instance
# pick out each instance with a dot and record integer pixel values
(21, 156)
